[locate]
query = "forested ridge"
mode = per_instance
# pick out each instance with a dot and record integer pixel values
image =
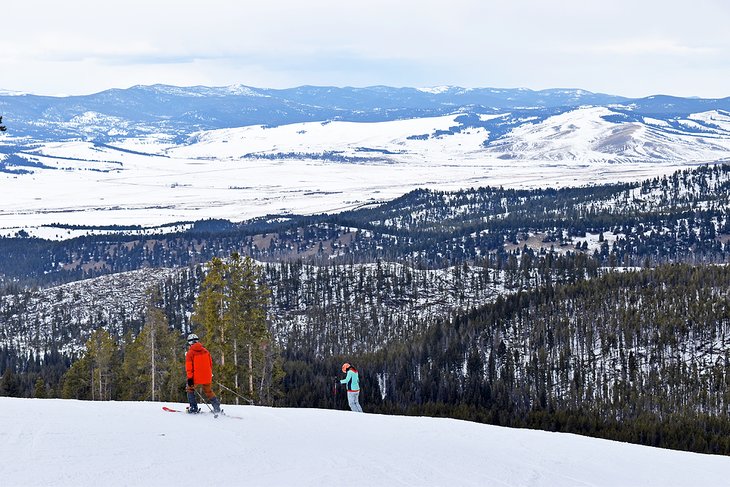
(684, 217)
(599, 310)
(313, 310)
(641, 356)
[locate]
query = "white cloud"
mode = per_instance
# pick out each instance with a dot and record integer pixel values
(641, 47)
(589, 44)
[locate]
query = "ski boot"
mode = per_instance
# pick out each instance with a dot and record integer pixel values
(216, 403)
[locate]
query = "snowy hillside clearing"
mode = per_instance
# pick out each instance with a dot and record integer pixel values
(52, 442)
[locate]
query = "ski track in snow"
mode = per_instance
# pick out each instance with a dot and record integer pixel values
(53, 442)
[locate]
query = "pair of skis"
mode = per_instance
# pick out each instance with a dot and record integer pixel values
(215, 415)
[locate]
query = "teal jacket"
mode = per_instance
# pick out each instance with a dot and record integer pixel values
(352, 375)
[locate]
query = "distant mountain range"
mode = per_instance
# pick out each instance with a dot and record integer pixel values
(141, 110)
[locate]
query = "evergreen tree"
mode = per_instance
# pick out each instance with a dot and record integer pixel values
(77, 380)
(104, 355)
(9, 385)
(210, 308)
(249, 298)
(3, 128)
(39, 390)
(152, 367)
(95, 375)
(231, 309)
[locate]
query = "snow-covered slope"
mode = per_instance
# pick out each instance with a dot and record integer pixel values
(55, 442)
(583, 135)
(398, 141)
(586, 135)
(65, 315)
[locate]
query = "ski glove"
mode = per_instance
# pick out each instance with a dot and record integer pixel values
(190, 382)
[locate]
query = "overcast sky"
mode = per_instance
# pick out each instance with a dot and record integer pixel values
(624, 47)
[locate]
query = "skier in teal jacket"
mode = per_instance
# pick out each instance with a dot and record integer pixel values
(352, 379)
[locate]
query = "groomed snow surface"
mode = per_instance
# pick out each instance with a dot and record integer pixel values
(53, 442)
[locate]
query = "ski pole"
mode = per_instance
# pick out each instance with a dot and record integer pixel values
(206, 403)
(231, 390)
(334, 395)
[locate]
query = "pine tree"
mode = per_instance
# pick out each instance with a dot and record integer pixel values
(231, 309)
(94, 375)
(104, 359)
(77, 380)
(39, 390)
(210, 308)
(248, 318)
(152, 366)
(9, 385)
(3, 128)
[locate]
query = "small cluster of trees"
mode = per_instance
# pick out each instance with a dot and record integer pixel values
(231, 319)
(146, 367)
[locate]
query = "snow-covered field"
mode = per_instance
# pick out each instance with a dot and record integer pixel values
(52, 442)
(315, 167)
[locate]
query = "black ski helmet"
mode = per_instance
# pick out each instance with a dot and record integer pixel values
(192, 338)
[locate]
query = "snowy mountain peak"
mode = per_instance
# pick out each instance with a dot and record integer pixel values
(437, 90)
(242, 90)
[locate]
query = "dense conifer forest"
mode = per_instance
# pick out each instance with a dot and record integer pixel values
(600, 310)
(640, 356)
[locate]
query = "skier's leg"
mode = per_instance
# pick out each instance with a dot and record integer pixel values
(358, 408)
(214, 401)
(352, 400)
(208, 391)
(191, 399)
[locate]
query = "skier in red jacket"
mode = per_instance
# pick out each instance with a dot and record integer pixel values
(199, 368)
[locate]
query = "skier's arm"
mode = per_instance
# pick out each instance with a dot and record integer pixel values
(347, 377)
(189, 365)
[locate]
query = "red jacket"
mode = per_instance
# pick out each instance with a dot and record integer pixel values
(199, 364)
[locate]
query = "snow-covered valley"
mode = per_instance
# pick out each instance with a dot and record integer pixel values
(57, 188)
